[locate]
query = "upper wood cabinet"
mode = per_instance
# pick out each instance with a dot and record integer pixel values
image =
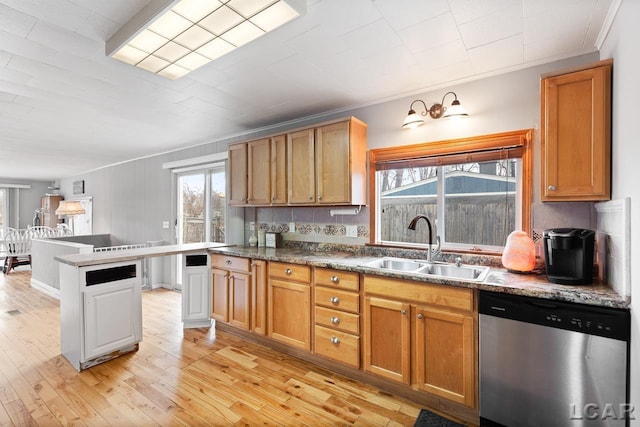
(322, 165)
(238, 174)
(576, 134)
(258, 172)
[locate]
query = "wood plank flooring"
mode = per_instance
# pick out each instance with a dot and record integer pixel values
(193, 377)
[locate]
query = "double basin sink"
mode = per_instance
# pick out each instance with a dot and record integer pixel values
(471, 273)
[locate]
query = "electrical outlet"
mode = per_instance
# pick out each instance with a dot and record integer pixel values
(292, 227)
(352, 231)
(252, 226)
(165, 224)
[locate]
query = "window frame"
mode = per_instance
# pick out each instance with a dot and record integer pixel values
(520, 139)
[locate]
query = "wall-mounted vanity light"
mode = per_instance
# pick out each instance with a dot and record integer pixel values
(436, 111)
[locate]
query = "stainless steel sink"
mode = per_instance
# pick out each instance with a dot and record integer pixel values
(396, 264)
(465, 272)
(472, 273)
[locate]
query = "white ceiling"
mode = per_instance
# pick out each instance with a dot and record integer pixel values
(66, 108)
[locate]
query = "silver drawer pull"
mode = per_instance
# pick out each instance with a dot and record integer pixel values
(552, 188)
(335, 300)
(335, 340)
(287, 271)
(228, 262)
(335, 320)
(420, 316)
(335, 279)
(403, 311)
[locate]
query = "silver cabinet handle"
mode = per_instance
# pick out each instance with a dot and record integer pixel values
(403, 312)
(335, 300)
(228, 262)
(552, 188)
(287, 271)
(335, 279)
(319, 197)
(335, 320)
(420, 316)
(335, 340)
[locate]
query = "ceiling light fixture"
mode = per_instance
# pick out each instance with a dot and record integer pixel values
(174, 38)
(436, 111)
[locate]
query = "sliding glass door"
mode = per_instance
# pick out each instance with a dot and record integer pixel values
(201, 208)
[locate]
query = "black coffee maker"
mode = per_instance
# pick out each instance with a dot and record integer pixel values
(568, 255)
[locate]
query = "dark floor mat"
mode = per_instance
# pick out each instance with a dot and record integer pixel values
(429, 419)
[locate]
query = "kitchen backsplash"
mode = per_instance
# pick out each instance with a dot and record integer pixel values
(312, 224)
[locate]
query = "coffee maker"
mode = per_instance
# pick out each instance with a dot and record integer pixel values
(568, 255)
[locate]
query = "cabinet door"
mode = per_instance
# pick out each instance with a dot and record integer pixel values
(259, 172)
(240, 299)
(386, 338)
(259, 297)
(238, 171)
(220, 295)
(279, 170)
(112, 317)
(576, 135)
(195, 294)
(333, 178)
(289, 313)
(444, 355)
(301, 185)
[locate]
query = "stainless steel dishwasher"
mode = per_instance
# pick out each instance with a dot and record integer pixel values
(549, 363)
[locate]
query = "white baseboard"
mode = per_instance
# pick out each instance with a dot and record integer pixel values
(46, 289)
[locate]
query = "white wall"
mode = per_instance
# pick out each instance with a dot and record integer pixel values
(621, 44)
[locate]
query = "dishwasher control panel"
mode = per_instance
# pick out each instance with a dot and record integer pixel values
(593, 320)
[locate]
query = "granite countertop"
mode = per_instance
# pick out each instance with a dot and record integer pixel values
(98, 258)
(498, 280)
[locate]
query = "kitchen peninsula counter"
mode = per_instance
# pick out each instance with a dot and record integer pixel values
(498, 280)
(98, 258)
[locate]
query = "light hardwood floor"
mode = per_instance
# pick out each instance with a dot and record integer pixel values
(178, 377)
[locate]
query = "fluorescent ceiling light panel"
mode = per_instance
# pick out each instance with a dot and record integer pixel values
(173, 38)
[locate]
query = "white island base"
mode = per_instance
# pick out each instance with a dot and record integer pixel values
(101, 300)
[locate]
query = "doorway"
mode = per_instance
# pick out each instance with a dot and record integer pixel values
(201, 209)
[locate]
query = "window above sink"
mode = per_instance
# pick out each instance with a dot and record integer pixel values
(474, 190)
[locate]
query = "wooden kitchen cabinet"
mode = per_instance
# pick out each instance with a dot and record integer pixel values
(301, 184)
(337, 315)
(259, 297)
(444, 354)
(327, 164)
(278, 170)
(422, 334)
(340, 163)
(387, 338)
(321, 165)
(259, 172)
(238, 174)
(289, 304)
(231, 290)
(576, 134)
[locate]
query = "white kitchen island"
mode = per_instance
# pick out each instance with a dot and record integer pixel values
(101, 299)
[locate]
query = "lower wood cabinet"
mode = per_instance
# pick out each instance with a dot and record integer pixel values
(259, 297)
(231, 290)
(337, 315)
(387, 339)
(422, 334)
(289, 304)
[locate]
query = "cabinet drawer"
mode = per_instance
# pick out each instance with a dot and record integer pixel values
(339, 346)
(226, 262)
(338, 299)
(337, 278)
(297, 272)
(419, 292)
(337, 319)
